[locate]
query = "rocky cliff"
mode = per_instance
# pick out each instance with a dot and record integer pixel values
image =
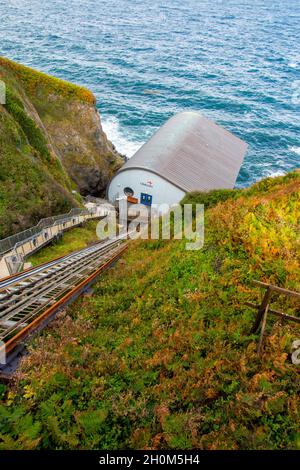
(51, 145)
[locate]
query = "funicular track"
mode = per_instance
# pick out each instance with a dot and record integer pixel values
(30, 299)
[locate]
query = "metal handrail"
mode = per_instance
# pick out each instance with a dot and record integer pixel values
(9, 243)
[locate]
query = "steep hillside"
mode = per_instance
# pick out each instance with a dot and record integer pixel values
(51, 141)
(161, 356)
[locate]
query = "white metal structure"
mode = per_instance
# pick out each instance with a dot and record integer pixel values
(188, 153)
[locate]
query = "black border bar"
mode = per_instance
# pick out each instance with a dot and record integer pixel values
(134, 459)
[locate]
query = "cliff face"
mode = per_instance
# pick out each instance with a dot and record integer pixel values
(51, 142)
(83, 148)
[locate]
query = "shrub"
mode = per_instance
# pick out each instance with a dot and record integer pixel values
(210, 198)
(34, 135)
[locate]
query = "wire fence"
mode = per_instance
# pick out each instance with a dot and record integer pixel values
(8, 243)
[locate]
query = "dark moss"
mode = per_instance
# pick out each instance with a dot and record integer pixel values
(29, 190)
(34, 135)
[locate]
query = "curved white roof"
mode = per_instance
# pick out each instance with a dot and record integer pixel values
(191, 152)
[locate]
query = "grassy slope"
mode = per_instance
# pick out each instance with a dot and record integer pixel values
(73, 240)
(71, 123)
(160, 356)
(28, 191)
(33, 181)
(34, 82)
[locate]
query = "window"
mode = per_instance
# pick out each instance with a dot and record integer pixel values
(128, 191)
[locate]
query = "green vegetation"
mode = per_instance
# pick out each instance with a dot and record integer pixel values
(33, 133)
(214, 197)
(32, 80)
(73, 240)
(51, 143)
(210, 198)
(28, 191)
(33, 182)
(160, 356)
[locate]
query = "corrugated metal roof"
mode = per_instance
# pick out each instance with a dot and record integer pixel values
(191, 152)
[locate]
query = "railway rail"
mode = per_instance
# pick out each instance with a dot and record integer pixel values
(29, 300)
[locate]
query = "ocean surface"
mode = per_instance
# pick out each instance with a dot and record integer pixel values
(235, 61)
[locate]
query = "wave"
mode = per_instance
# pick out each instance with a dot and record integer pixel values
(274, 174)
(119, 137)
(295, 150)
(294, 62)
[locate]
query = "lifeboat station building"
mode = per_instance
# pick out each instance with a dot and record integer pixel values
(188, 153)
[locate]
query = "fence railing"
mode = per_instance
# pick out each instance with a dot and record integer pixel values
(9, 243)
(263, 309)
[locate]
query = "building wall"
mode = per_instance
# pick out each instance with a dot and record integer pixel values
(143, 181)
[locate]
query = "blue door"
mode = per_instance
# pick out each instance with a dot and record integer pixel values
(146, 199)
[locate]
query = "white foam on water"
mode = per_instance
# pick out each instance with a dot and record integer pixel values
(294, 63)
(274, 174)
(295, 150)
(112, 129)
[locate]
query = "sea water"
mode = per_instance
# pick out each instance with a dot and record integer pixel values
(235, 61)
